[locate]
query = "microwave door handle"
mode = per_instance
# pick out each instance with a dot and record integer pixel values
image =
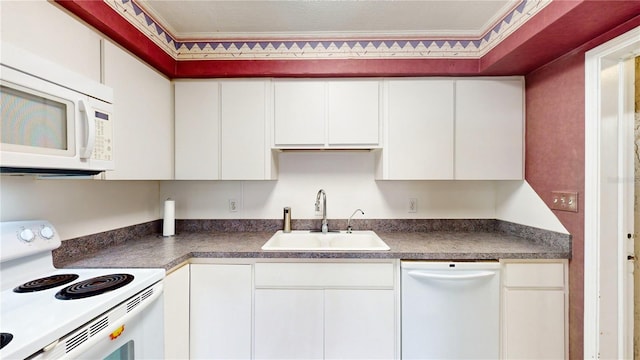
(90, 141)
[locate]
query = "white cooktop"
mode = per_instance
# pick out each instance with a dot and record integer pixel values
(37, 319)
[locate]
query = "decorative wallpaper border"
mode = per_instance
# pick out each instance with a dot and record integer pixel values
(278, 49)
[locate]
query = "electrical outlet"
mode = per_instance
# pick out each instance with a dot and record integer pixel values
(233, 205)
(564, 200)
(413, 205)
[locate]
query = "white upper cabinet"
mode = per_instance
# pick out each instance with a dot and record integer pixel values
(326, 114)
(245, 153)
(354, 116)
(299, 112)
(222, 130)
(143, 118)
(489, 135)
(463, 129)
(419, 130)
(422, 128)
(43, 28)
(197, 130)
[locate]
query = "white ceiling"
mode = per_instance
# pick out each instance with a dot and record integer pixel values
(259, 19)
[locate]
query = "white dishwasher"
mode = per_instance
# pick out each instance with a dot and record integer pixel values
(450, 310)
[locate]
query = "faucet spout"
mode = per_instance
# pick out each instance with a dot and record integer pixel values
(325, 226)
(349, 230)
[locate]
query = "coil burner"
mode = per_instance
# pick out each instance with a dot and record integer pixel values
(45, 283)
(5, 338)
(94, 286)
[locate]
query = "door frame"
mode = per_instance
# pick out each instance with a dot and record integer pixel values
(608, 333)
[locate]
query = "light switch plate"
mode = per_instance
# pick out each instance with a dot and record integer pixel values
(564, 200)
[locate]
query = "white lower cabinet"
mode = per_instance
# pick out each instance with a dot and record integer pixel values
(535, 300)
(325, 311)
(176, 314)
(289, 324)
(359, 324)
(340, 310)
(220, 311)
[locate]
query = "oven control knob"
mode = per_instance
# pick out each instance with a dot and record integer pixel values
(46, 232)
(26, 235)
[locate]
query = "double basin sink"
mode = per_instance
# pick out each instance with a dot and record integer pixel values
(299, 240)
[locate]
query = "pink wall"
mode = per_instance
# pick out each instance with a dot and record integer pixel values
(555, 161)
(555, 154)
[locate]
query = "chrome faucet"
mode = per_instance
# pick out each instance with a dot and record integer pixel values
(325, 226)
(349, 221)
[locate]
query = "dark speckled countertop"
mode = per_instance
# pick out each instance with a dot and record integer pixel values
(498, 241)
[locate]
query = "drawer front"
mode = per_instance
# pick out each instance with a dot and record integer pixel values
(534, 275)
(377, 275)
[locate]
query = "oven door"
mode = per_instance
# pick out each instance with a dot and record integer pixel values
(132, 330)
(142, 337)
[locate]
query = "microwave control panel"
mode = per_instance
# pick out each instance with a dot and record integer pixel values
(104, 137)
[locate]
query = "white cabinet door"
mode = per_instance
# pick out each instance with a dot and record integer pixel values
(419, 130)
(67, 40)
(244, 148)
(176, 314)
(299, 112)
(489, 137)
(143, 118)
(316, 310)
(535, 326)
(288, 324)
(534, 307)
(359, 324)
(221, 300)
(353, 114)
(318, 114)
(197, 130)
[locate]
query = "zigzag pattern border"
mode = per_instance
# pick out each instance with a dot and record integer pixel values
(278, 49)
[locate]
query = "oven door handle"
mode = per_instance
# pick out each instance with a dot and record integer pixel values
(115, 328)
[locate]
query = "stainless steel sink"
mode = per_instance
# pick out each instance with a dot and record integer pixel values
(316, 241)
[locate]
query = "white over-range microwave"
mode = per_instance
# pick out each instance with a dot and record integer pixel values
(54, 121)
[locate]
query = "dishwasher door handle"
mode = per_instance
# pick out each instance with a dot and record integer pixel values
(439, 276)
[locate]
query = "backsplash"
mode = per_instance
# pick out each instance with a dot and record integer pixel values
(86, 245)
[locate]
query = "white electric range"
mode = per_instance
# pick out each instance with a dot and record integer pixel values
(49, 313)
